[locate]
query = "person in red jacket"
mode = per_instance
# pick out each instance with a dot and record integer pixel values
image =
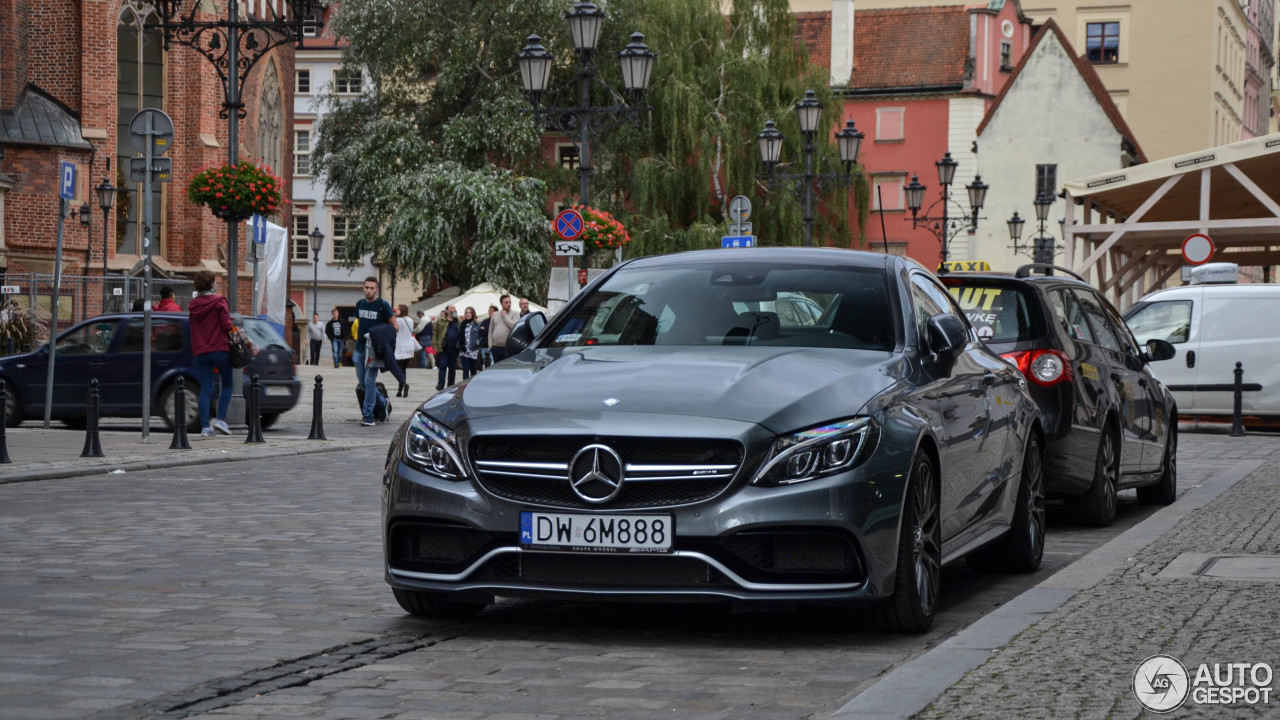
(167, 303)
(210, 344)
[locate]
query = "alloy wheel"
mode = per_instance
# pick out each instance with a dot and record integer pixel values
(925, 531)
(1035, 500)
(1111, 471)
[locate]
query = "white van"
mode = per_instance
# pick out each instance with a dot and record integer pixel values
(1213, 324)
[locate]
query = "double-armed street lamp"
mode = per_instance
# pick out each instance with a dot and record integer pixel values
(585, 119)
(945, 227)
(849, 141)
(106, 198)
(1044, 246)
(317, 242)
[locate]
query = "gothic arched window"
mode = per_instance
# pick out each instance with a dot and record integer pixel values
(271, 122)
(139, 85)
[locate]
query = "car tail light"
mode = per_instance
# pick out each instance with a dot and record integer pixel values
(1042, 367)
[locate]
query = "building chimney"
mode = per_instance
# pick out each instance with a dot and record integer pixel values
(841, 42)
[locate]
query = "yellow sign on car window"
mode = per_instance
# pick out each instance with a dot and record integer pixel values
(966, 266)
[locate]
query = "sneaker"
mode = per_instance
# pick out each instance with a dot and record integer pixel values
(207, 433)
(220, 426)
(366, 422)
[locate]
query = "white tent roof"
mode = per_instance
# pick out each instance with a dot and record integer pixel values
(479, 297)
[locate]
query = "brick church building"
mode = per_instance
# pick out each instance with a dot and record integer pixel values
(72, 75)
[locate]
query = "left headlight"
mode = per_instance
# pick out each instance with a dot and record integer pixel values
(433, 448)
(817, 452)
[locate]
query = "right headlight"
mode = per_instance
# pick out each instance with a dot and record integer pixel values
(817, 452)
(433, 448)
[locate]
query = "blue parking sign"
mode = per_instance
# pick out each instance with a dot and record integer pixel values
(67, 181)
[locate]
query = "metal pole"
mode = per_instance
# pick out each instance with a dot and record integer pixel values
(584, 156)
(315, 284)
(808, 189)
(946, 198)
(146, 288)
(233, 154)
(53, 319)
(105, 213)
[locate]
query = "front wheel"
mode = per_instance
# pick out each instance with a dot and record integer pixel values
(1097, 507)
(12, 407)
(1165, 491)
(191, 406)
(428, 604)
(919, 568)
(268, 419)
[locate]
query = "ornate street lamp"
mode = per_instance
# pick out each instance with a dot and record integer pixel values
(848, 140)
(106, 198)
(945, 227)
(317, 242)
(86, 214)
(1015, 224)
(1043, 247)
(584, 120)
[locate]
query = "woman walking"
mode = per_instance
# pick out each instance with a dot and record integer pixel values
(406, 346)
(210, 328)
(470, 342)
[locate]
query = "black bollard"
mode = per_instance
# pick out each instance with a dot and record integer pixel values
(255, 411)
(317, 421)
(4, 422)
(92, 447)
(1237, 425)
(179, 441)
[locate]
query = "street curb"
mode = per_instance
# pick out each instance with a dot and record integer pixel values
(912, 686)
(106, 466)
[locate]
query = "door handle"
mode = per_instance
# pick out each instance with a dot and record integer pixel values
(1142, 382)
(1117, 377)
(1191, 358)
(989, 379)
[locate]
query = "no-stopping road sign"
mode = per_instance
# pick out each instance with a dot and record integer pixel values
(569, 224)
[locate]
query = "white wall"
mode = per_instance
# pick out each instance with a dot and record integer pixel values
(1048, 116)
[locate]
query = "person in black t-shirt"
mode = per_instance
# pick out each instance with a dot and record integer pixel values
(335, 331)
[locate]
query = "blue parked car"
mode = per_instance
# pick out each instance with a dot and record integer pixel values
(109, 348)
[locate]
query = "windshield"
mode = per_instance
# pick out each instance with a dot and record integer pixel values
(263, 335)
(734, 304)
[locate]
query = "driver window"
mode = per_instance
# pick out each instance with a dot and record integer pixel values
(926, 304)
(1167, 320)
(91, 339)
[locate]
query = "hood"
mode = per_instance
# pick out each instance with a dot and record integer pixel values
(781, 388)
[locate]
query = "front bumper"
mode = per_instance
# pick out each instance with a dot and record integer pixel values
(828, 540)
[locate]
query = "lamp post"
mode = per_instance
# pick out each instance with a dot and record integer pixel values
(317, 241)
(1044, 247)
(945, 227)
(584, 120)
(848, 141)
(106, 198)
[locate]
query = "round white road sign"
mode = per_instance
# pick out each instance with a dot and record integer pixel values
(1197, 249)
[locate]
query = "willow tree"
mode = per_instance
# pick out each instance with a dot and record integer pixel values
(717, 80)
(435, 164)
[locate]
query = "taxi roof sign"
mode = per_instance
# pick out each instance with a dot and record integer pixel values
(965, 266)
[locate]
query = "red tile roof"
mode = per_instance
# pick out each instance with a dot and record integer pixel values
(1090, 77)
(896, 48)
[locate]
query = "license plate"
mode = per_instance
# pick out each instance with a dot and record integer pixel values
(597, 533)
(275, 391)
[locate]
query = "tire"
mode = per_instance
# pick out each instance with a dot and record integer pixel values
(426, 604)
(1165, 491)
(12, 407)
(919, 566)
(1022, 548)
(1097, 507)
(268, 419)
(192, 405)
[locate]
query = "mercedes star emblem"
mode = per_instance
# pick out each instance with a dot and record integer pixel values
(596, 474)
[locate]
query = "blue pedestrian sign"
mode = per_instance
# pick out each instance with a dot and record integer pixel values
(67, 181)
(569, 224)
(259, 229)
(738, 241)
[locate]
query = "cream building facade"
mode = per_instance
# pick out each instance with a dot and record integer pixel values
(1186, 74)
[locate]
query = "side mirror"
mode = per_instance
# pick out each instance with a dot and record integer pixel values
(947, 335)
(525, 331)
(1158, 350)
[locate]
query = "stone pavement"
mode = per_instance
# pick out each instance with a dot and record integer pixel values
(1198, 581)
(40, 454)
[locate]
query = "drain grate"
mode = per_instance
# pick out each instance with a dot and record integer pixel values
(1245, 568)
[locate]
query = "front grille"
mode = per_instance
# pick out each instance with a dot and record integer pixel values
(659, 472)
(603, 570)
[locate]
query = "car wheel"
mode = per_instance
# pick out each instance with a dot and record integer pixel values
(12, 407)
(1022, 548)
(268, 419)
(919, 569)
(1165, 491)
(427, 604)
(191, 407)
(76, 423)
(1097, 507)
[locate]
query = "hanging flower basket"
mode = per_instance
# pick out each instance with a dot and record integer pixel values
(236, 192)
(601, 231)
